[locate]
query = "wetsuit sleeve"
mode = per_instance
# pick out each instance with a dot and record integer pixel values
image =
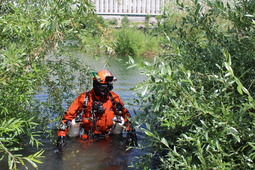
(71, 112)
(74, 107)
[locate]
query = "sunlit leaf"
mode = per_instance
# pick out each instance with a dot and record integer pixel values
(239, 89)
(234, 133)
(145, 90)
(148, 133)
(164, 141)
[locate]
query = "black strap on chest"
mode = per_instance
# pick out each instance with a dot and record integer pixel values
(86, 100)
(79, 113)
(116, 105)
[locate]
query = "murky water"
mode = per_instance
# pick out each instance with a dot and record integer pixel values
(104, 154)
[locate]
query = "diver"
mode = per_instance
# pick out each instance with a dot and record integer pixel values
(97, 114)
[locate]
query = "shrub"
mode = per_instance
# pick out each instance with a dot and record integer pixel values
(32, 61)
(113, 21)
(197, 104)
(128, 41)
(125, 22)
(132, 42)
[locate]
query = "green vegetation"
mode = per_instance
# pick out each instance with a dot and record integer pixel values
(113, 21)
(197, 105)
(32, 60)
(133, 42)
(198, 102)
(125, 22)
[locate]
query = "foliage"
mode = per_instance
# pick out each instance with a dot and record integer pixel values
(133, 42)
(128, 42)
(125, 22)
(198, 102)
(202, 35)
(92, 24)
(90, 44)
(113, 21)
(31, 57)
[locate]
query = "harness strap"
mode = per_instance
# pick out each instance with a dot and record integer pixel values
(79, 113)
(117, 106)
(86, 100)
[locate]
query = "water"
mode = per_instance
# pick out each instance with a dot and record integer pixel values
(104, 154)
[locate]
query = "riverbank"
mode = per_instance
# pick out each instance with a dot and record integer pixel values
(138, 20)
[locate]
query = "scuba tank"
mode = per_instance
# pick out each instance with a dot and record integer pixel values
(73, 129)
(118, 122)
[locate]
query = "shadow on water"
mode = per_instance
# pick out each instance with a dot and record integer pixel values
(108, 154)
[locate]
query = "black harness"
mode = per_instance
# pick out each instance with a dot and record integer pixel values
(117, 107)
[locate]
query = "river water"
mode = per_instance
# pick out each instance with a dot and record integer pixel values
(110, 154)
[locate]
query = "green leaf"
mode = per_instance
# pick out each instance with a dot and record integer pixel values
(31, 162)
(239, 89)
(228, 67)
(148, 125)
(232, 131)
(145, 90)
(157, 106)
(164, 141)
(148, 133)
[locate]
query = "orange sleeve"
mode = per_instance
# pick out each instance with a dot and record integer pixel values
(71, 112)
(74, 107)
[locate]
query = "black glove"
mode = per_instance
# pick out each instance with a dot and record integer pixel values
(60, 143)
(63, 126)
(132, 138)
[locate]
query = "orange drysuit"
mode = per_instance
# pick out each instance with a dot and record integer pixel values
(103, 121)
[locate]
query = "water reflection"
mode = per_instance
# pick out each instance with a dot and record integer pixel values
(95, 155)
(102, 154)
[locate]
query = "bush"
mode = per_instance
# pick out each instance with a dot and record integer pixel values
(32, 61)
(113, 21)
(191, 121)
(125, 22)
(197, 104)
(132, 42)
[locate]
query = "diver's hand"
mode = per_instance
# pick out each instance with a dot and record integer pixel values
(132, 138)
(60, 143)
(64, 125)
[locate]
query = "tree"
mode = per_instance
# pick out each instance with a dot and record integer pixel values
(31, 57)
